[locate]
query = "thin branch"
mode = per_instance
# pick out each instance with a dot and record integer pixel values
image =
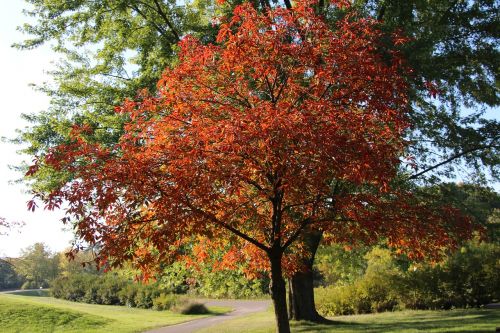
(235, 231)
(144, 16)
(116, 76)
(450, 159)
(297, 232)
(167, 21)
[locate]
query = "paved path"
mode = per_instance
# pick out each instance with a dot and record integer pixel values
(240, 307)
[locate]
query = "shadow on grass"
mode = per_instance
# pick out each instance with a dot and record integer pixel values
(32, 293)
(457, 321)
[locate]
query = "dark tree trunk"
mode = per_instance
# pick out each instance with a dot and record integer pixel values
(278, 293)
(301, 304)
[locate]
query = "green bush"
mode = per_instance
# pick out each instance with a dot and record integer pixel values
(108, 289)
(145, 295)
(165, 302)
(128, 295)
(467, 278)
(76, 288)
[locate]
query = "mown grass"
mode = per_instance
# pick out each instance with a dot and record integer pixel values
(39, 314)
(456, 321)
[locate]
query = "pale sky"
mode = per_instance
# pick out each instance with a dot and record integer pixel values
(19, 69)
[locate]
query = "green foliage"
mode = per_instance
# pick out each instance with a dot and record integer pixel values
(73, 288)
(453, 51)
(165, 302)
(38, 266)
(208, 282)
(174, 278)
(479, 202)
(82, 263)
(468, 278)
(107, 289)
(145, 296)
(375, 291)
(109, 51)
(339, 266)
(228, 284)
(9, 279)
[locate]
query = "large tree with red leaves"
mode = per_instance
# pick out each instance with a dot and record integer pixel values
(250, 138)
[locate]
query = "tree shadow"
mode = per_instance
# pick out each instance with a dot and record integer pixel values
(458, 321)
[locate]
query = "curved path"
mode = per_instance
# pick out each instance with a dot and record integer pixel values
(241, 308)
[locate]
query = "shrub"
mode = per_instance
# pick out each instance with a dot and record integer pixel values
(467, 278)
(145, 295)
(185, 306)
(128, 294)
(165, 302)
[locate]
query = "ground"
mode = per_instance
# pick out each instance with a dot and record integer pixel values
(30, 313)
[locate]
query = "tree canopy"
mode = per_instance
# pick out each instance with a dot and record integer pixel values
(111, 49)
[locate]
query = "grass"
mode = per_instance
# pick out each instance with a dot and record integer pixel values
(456, 321)
(36, 313)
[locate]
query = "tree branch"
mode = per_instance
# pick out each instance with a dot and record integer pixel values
(167, 21)
(452, 158)
(226, 226)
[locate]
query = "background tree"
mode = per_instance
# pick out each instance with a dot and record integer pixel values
(37, 265)
(9, 279)
(82, 263)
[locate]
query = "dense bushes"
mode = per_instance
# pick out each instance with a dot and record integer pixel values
(110, 289)
(468, 278)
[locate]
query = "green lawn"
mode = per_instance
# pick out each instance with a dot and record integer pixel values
(34, 314)
(457, 321)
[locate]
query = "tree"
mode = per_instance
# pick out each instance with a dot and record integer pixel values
(452, 52)
(256, 137)
(9, 279)
(37, 265)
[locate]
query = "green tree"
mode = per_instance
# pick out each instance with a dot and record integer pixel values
(38, 266)
(83, 262)
(9, 279)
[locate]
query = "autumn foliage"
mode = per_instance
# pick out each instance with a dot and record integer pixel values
(284, 125)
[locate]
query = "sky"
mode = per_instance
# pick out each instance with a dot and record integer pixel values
(18, 70)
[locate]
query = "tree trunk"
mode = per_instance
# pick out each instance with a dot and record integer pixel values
(301, 304)
(278, 293)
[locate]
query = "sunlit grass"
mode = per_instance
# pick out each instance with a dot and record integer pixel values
(21, 313)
